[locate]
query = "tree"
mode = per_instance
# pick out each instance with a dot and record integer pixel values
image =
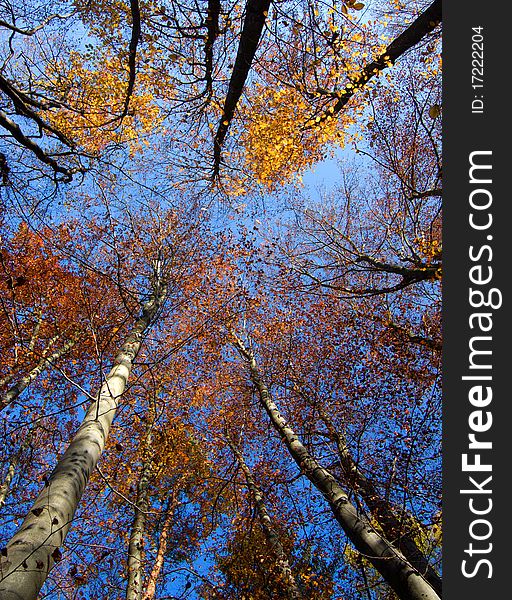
(403, 578)
(283, 569)
(253, 348)
(35, 548)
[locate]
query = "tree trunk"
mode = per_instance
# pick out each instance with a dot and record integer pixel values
(282, 563)
(136, 544)
(5, 488)
(46, 361)
(149, 594)
(35, 547)
(256, 12)
(382, 511)
(403, 578)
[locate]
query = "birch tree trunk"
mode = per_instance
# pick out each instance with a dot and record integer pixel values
(5, 488)
(149, 594)
(35, 547)
(403, 578)
(382, 511)
(31, 345)
(282, 563)
(136, 544)
(46, 361)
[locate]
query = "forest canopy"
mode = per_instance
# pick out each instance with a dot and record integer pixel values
(219, 369)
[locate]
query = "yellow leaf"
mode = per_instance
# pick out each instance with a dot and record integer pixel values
(434, 111)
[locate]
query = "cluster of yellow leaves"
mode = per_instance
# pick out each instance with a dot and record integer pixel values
(430, 249)
(94, 98)
(175, 451)
(278, 145)
(432, 62)
(105, 17)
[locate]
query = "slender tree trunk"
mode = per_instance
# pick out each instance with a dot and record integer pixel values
(35, 547)
(149, 594)
(382, 511)
(5, 488)
(403, 578)
(6, 380)
(282, 563)
(46, 361)
(212, 32)
(136, 544)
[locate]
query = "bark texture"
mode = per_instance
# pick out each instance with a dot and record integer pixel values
(136, 544)
(35, 547)
(282, 563)
(403, 578)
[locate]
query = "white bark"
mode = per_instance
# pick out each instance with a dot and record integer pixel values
(46, 361)
(5, 488)
(403, 578)
(283, 565)
(382, 511)
(35, 547)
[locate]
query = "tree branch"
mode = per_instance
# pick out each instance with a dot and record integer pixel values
(422, 26)
(25, 141)
(256, 13)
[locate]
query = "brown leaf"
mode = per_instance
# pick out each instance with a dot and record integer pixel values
(57, 555)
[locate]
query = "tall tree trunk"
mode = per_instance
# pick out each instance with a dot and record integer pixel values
(136, 544)
(149, 594)
(5, 488)
(403, 578)
(394, 528)
(46, 361)
(282, 563)
(35, 547)
(6, 380)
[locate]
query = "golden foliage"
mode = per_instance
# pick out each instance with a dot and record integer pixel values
(95, 94)
(277, 144)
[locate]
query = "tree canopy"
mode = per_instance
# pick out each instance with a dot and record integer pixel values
(219, 372)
